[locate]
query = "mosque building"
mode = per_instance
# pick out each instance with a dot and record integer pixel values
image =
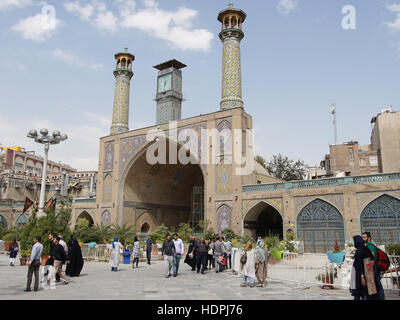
(213, 186)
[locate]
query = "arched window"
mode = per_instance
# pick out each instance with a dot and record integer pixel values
(226, 23)
(382, 218)
(234, 22)
(3, 222)
(22, 220)
(319, 224)
(106, 218)
(123, 63)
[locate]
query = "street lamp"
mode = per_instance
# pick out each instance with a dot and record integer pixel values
(47, 140)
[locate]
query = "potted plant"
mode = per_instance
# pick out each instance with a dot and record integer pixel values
(327, 277)
(336, 256)
(25, 253)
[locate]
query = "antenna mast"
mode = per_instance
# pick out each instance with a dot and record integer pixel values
(333, 112)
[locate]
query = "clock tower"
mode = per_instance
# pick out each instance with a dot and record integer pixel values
(169, 91)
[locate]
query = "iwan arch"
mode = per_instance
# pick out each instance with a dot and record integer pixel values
(131, 190)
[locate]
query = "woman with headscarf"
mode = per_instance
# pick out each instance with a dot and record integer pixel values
(136, 252)
(358, 282)
(248, 268)
(115, 255)
(75, 265)
(261, 256)
(13, 252)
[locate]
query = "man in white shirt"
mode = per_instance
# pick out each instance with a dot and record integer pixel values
(34, 264)
(179, 249)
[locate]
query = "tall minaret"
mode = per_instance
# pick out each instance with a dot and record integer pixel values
(231, 35)
(123, 74)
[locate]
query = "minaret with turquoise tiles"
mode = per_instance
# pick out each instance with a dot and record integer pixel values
(231, 35)
(123, 75)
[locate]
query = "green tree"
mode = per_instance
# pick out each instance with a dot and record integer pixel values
(261, 161)
(229, 234)
(283, 168)
(122, 232)
(102, 233)
(184, 232)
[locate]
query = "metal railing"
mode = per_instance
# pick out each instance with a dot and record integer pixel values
(315, 269)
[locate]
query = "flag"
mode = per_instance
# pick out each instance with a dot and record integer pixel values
(47, 206)
(53, 205)
(28, 204)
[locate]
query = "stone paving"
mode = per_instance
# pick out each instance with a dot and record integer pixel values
(147, 282)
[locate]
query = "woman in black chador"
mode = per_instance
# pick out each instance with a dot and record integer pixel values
(75, 264)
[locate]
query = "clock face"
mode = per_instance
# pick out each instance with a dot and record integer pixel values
(164, 83)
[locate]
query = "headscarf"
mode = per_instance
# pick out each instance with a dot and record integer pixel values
(115, 240)
(358, 242)
(261, 249)
(249, 246)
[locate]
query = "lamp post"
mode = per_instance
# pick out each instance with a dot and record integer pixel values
(47, 140)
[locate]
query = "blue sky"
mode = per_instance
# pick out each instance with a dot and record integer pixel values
(296, 60)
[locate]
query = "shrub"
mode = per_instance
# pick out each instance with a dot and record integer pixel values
(184, 232)
(271, 241)
(229, 234)
(393, 249)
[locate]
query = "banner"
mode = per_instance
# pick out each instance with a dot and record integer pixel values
(28, 204)
(48, 204)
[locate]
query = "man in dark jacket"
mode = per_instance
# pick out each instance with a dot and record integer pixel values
(59, 258)
(50, 261)
(168, 253)
(202, 255)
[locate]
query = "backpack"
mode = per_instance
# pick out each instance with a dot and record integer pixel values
(382, 262)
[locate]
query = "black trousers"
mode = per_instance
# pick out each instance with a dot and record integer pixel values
(33, 269)
(148, 255)
(202, 259)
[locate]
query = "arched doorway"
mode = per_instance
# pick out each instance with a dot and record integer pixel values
(319, 224)
(87, 216)
(145, 228)
(381, 217)
(3, 222)
(169, 191)
(22, 220)
(263, 219)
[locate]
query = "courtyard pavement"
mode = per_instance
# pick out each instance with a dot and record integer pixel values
(148, 283)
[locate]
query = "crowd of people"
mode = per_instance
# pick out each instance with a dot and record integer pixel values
(201, 256)
(60, 254)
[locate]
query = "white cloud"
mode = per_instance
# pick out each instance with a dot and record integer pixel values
(286, 6)
(37, 28)
(175, 27)
(11, 4)
(395, 25)
(85, 12)
(95, 12)
(72, 59)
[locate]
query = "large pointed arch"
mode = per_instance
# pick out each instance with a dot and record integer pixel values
(319, 224)
(381, 217)
(153, 187)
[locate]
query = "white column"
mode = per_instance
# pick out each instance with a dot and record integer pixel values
(44, 176)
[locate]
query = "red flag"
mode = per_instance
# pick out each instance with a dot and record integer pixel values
(28, 204)
(47, 206)
(53, 205)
